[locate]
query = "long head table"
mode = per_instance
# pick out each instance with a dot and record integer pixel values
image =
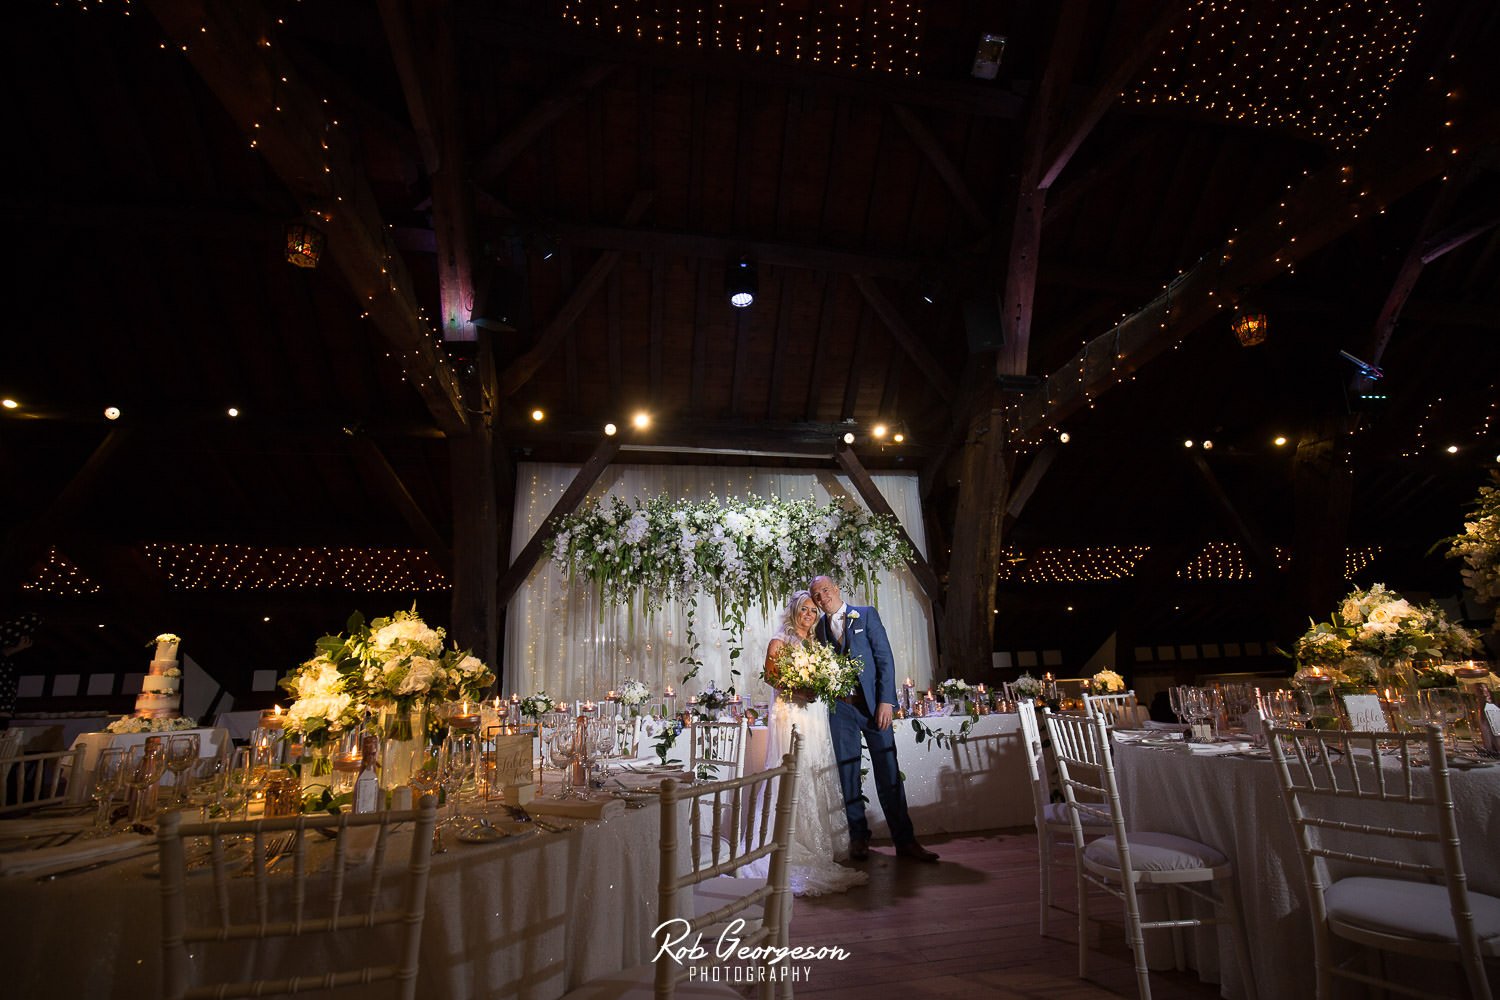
(1235, 805)
(530, 918)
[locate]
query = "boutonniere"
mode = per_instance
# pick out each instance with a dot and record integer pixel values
(853, 615)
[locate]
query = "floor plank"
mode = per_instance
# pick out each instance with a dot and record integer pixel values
(964, 928)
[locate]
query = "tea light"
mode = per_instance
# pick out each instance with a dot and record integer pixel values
(273, 718)
(465, 718)
(1470, 671)
(612, 696)
(562, 706)
(670, 693)
(588, 708)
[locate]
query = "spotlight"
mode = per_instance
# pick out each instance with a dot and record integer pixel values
(610, 429)
(538, 415)
(1065, 437)
(1208, 445)
(1188, 443)
(878, 430)
(898, 437)
(1453, 449)
(641, 420)
(741, 283)
(266, 618)
(9, 404)
(1279, 441)
(111, 413)
(233, 411)
(848, 437)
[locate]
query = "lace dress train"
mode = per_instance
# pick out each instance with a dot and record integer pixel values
(820, 835)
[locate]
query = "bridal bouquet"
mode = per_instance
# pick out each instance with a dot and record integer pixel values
(812, 668)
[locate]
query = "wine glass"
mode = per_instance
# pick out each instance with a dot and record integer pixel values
(1444, 708)
(1175, 697)
(563, 753)
(109, 775)
(144, 766)
(456, 764)
(182, 754)
(240, 783)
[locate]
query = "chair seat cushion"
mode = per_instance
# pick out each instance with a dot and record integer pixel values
(637, 983)
(713, 893)
(1056, 814)
(1409, 909)
(1156, 852)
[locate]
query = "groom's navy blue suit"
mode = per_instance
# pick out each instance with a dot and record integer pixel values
(865, 640)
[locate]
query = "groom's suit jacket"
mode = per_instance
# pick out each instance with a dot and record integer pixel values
(865, 640)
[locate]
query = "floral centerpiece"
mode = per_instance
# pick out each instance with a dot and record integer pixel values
(1027, 686)
(1105, 681)
(1374, 629)
(954, 690)
(1479, 546)
(813, 670)
(535, 706)
(633, 695)
(710, 702)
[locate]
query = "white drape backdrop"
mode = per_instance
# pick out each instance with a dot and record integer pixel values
(556, 641)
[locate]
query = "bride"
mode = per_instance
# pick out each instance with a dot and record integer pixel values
(821, 831)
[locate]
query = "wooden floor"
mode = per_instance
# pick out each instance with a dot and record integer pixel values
(966, 927)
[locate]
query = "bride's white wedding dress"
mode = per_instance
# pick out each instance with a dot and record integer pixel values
(820, 834)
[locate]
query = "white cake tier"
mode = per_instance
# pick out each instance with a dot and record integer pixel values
(166, 650)
(152, 684)
(162, 666)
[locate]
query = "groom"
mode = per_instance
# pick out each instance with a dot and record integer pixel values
(867, 712)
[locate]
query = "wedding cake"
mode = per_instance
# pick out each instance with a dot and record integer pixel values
(161, 690)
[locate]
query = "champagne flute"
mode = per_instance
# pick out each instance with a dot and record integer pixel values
(182, 754)
(455, 766)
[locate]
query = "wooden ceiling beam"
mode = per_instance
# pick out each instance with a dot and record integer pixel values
(520, 371)
(229, 44)
(720, 247)
(953, 178)
(1325, 206)
(1068, 138)
(526, 560)
(905, 336)
(493, 28)
(523, 132)
(926, 577)
(1024, 260)
(425, 61)
(369, 457)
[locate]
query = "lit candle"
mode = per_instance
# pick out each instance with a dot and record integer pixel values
(670, 692)
(464, 718)
(562, 706)
(909, 683)
(272, 719)
(612, 696)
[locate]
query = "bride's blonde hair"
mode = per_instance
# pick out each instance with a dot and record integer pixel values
(788, 631)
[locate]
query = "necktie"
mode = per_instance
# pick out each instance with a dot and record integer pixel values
(838, 627)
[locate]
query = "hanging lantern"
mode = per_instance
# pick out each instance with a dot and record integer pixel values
(304, 244)
(1250, 328)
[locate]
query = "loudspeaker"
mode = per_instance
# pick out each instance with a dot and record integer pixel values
(982, 323)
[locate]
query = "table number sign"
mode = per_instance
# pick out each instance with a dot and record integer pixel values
(1366, 713)
(1490, 723)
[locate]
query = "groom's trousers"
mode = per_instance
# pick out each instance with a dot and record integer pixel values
(850, 726)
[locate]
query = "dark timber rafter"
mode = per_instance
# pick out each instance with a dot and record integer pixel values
(1324, 207)
(230, 45)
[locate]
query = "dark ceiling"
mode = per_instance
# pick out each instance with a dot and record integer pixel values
(613, 165)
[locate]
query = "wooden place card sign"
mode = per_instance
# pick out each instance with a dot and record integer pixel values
(1366, 714)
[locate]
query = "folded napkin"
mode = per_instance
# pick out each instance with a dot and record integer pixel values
(74, 855)
(1165, 727)
(41, 826)
(635, 780)
(1214, 749)
(576, 808)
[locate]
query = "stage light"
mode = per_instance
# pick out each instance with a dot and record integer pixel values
(740, 282)
(878, 431)
(610, 429)
(538, 415)
(111, 413)
(1280, 441)
(848, 437)
(641, 420)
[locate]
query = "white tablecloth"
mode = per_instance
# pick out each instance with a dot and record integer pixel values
(980, 784)
(529, 919)
(210, 742)
(1235, 805)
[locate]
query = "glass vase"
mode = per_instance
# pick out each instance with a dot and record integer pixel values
(316, 769)
(403, 732)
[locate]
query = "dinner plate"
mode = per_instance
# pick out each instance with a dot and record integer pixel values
(493, 834)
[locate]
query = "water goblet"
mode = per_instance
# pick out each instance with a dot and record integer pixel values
(1444, 708)
(456, 764)
(109, 774)
(144, 767)
(425, 771)
(563, 753)
(182, 754)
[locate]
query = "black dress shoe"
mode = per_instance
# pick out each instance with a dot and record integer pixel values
(859, 850)
(916, 852)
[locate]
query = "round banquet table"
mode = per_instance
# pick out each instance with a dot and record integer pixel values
(532, 917)
(1235, 805)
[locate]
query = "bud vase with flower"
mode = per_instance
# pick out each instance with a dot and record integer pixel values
(403, 732)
